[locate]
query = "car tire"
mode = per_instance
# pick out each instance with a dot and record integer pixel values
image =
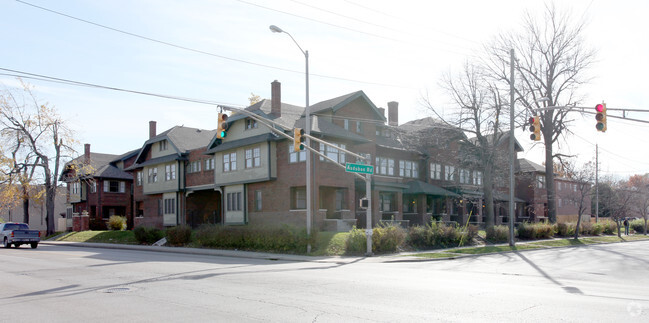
(34, 245)
(5, 243)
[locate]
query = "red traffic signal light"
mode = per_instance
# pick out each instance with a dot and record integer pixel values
(298, 139)
(600, 116)
(535, 128)
(222, 127)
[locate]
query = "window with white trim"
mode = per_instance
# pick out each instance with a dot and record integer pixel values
(153, 175)
(229, 162)
(170, 172)
(258, 204)
(253, 157)
(408, 168)
(169, 206)
(209, 164)
(333, 153)
(540, 181)
(449, 173)
(114, 186)
(139, 178)
(384, 166)
(233, 201)
(435, 171)
(477, 177)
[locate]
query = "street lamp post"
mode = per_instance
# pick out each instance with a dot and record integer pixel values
(307, 129)
(512, 210)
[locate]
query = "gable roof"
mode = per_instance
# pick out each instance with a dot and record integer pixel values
(527, 166)
(339, 102)
(181, 139)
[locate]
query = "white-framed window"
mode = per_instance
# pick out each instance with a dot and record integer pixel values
(114, 186)
(435, 171)
(169, 206)
(233, 201)
(75, 188)
(449, 173)
(540, 181)
(139, 177)
(408, 168)
(209, 164)
(230, 162)
(253, 157)
(170, 172)
(163, 145)
(153, 175)
(295, 156)
(93, 186)
(251, 123)
(333, 153)
(384, 166)
(346, 124)
(298, 198)
(359, 126)
(464, 176)
(194, 167)
(477, 177)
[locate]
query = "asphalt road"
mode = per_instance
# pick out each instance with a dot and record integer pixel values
(60, 283)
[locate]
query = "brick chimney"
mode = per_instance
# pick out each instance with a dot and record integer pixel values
(393, 113)
(86, 154)
(152, 131)
(276, 98)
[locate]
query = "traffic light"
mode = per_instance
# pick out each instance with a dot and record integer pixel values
(221, 130)
(535, 128)
(600, 116)
(298, 139)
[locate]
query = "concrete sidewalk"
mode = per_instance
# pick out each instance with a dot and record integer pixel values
(225, 253)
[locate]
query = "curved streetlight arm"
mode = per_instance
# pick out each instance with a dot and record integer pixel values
(276, 29)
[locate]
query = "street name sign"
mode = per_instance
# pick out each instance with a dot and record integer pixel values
(359, 168)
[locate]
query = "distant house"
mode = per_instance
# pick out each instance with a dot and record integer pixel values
(532, 187)
(38, 212)
(97, 184)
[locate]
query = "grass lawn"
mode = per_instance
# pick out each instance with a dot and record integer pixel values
(122, 237)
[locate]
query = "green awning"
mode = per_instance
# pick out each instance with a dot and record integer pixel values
(419, 187)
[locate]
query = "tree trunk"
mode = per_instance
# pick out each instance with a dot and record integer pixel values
(25, 206)
(549, 177)
(578, 226)
(488, 197)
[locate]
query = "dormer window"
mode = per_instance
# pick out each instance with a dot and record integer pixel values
(251, 123)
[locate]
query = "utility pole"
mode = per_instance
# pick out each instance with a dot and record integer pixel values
(512, 211)
(596, 183)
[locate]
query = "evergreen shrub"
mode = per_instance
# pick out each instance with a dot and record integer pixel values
(147, 235)
(179, 235)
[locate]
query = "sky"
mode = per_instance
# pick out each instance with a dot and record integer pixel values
(222, 52)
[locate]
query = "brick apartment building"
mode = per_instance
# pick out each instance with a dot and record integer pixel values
(253, 176)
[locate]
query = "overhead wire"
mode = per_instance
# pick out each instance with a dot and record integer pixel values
(166, 43)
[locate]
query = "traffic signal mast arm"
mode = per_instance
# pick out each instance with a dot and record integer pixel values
(272, 126)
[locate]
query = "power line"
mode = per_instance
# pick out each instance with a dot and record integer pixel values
(208, 53)
(46, 78)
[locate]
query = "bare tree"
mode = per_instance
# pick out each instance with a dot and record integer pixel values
(582, 177)
(43, 133)
(479, 108)
(551, 64)
(639, 184)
